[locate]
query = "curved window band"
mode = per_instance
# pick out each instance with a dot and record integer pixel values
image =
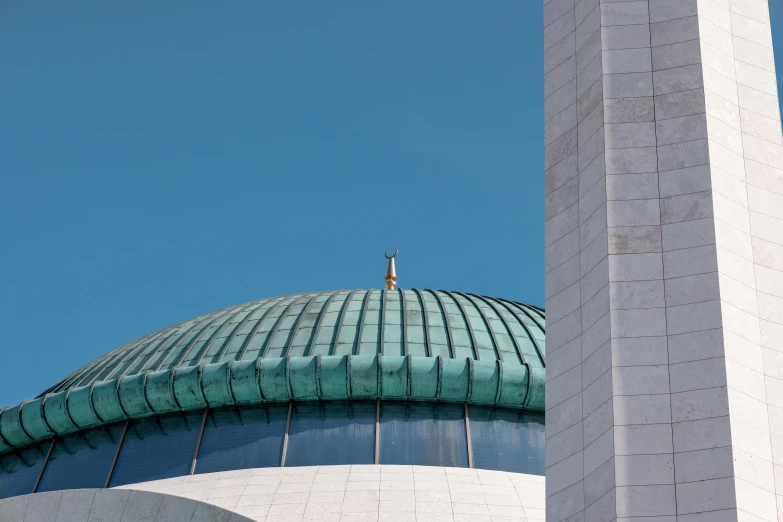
(281, 435)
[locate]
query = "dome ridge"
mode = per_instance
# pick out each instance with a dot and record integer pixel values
(430, 345)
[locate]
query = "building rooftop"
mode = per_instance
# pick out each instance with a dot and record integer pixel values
(347, 344)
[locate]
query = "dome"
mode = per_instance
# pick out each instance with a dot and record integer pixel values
(362, 344)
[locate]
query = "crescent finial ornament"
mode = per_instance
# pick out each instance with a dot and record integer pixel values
(396, 251)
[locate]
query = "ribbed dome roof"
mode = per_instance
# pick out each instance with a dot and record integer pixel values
(420, 345)
(421, 323)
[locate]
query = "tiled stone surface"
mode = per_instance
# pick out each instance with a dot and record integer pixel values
(664, 279)
(360, 493)
(111, 505)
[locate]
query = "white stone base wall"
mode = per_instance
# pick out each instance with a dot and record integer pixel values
(111, 505)
(365, 493)
(314, 494)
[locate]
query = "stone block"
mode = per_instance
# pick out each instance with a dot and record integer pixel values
(555, 9)
(722, 86)
(678, 79)
(708, 464)
(722, 109)
(174, 509)
(560, 76)
(637, 294)
(563, 415)
(646, 501)
(683, 155)
(639, 351)
(564, 386)
(595, 308)
(627, 110)
(693, 317)
(589, 98)
(675, 30)
(559, 52)
(591, 203)
(647, 439)
(681, 129)
(629, 85)
(587, 51)
(563, 445)
(640, 380)
(591, 123)
(620, 61)
(558, 29)
(559, 99)
(719, 62)
(595, 280)
(755, 500)
(690, 261)
(562, 250)
(685, 181)
(587, 76)
(75, 505)
(593, 253)
(706, 495)
(633, 213)
(625, 37)
(678, 54)
(635, 267)
(662, 10)
(756, 78)
(642, 409)
(564, 473)
(13, 508)
(758, 101)
(599, 452)
(598, 422)
(701, 434)
(688, 234)
(754, 54)
(754, 470)
(699, 404)
(634, 12)
(644, 470)
(43, 507)
(596, 394)
(109, 505)
(632, 186)
(559, 124)
(648, 322)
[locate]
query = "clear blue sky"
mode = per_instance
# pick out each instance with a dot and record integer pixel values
(164, 159)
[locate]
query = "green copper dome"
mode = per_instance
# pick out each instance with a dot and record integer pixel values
(360, 344)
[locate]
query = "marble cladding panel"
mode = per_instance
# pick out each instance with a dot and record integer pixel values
(107, 505)
(757, 133)
(664, 222)
(573, 132)
(364, 493)
(313, 494)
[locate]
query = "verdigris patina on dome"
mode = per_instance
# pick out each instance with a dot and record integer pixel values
(361, 344)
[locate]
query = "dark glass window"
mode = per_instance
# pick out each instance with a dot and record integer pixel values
(424, 434)
(240, 438)
(20, 470)
(507, 440)
(328, 433)
(81, 460)
(157, 448)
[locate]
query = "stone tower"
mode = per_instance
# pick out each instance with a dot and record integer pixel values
(664, 262)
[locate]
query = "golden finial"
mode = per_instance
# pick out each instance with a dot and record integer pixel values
(391, 273)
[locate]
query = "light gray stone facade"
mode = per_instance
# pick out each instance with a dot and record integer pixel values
(664, 262)
(111, 505)
(365, 493)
